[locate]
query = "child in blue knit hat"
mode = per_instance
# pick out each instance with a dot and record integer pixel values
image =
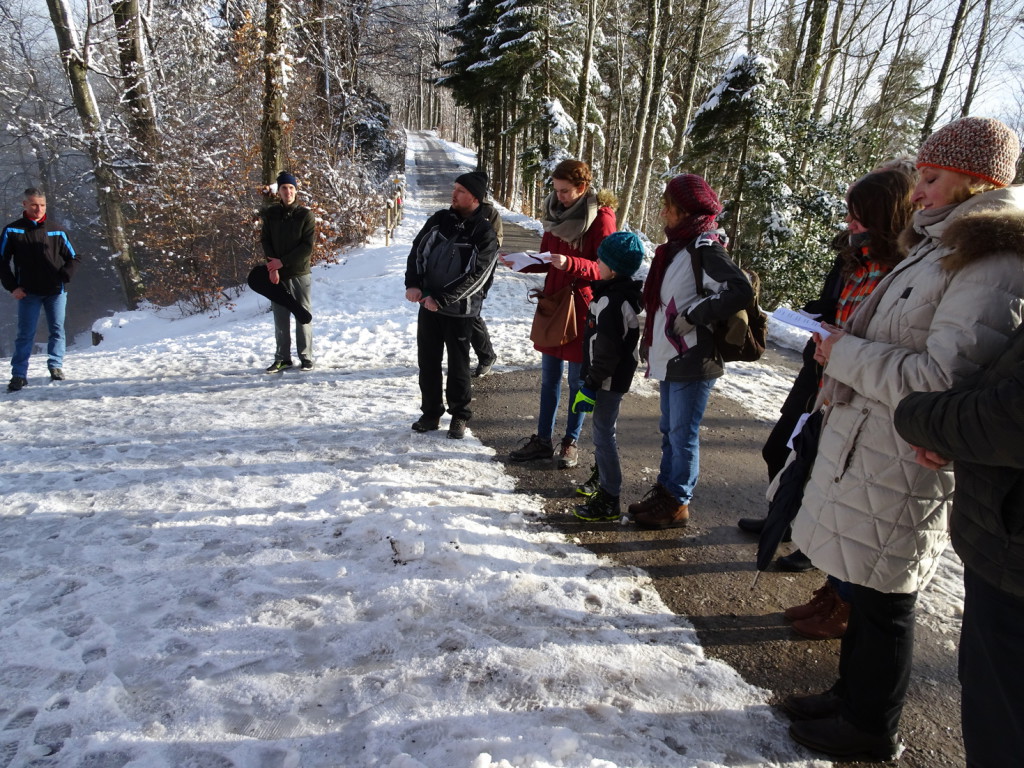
(609, 360)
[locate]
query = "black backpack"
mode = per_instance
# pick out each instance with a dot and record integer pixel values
(742, 336)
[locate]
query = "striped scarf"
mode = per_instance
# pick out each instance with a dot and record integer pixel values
(859, 285)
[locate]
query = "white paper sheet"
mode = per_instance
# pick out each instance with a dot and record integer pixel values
(802, 321)
(523, 259)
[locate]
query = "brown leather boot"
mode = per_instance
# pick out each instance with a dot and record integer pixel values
(647, 503)
(666, 512)
(820, 603)
(825, 626)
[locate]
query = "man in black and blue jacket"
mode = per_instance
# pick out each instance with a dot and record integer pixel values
(36, 263)
(447, 274)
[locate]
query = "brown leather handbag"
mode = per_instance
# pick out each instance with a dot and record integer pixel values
(554, 323)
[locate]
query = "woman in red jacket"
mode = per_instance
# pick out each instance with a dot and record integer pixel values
(575, 222)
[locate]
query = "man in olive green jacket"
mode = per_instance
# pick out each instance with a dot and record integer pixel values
(287, 239)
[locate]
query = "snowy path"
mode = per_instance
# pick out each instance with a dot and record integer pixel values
(202, 566)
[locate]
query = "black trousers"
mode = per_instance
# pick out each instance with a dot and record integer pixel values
(775, 450)
(991, 674)
(481, 341)
(799, 401)
(436, 334)
(875, 657)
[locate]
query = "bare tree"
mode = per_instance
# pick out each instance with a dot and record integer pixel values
(643, 113)
(939, 88)
(276, 68)
(73, 55)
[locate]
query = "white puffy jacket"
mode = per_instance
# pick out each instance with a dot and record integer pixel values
(870, 514)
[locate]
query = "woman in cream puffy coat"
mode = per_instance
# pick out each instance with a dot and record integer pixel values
(870, 514)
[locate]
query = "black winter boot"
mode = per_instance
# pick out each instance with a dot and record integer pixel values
(601, 508)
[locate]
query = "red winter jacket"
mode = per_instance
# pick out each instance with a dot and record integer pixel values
(582, 268)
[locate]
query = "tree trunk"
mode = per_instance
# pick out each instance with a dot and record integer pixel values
(794, 64)
(689, 85)
(275, 91)
(512, 167)
(830, 60)
(142, 118)
(650, 135)
(979, 59)
(583, 93)
(107, 195)
(642, 113)
(808, 73)
(939, 89)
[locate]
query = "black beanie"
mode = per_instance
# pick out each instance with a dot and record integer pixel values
(286, 178)
(475, 182)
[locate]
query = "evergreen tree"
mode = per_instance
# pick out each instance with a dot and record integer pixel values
(781, 177)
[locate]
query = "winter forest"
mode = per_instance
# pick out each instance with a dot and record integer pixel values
(159, 125)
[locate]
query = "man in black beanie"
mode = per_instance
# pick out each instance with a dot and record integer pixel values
(451, 263)
(288, 233)
(475, 183)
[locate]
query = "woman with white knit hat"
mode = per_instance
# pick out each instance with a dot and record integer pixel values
(871, 515)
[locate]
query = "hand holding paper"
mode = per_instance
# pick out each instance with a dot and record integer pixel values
(522, 259)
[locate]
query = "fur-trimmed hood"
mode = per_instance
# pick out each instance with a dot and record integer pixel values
(985, 224)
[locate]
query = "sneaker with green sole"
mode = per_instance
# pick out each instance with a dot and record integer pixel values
(600, 508)
(589, 488)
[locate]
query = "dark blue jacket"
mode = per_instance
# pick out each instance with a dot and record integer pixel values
(38, 258)
(611, 334)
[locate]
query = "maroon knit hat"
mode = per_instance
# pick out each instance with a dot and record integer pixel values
(689, 192)
(977, 146)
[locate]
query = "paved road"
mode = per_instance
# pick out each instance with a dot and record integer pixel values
(705, 572)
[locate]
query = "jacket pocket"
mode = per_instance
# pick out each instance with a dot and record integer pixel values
(846, 454)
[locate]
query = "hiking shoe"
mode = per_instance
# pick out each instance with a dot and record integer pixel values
(647, 503)
(16, 383)
(568, 454)
(306, 365)
(600, 508)
(796, 562)
(425, 424)
(457, 429)
(820, 603)
(591, 486)
(816, 706)
(827, 625)
(56, 374)
(483, 369)
(534, 448)
(751, 524)
(666, 512)
(279, 365)
(840, 738)
(756, 525)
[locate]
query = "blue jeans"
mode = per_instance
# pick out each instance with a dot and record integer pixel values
(551, 393)
(28, 318)
(682, 408)
(606, 450)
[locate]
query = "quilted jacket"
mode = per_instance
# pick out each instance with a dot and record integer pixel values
(870, 514)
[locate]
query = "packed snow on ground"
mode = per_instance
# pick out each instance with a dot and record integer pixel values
(204, 566)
